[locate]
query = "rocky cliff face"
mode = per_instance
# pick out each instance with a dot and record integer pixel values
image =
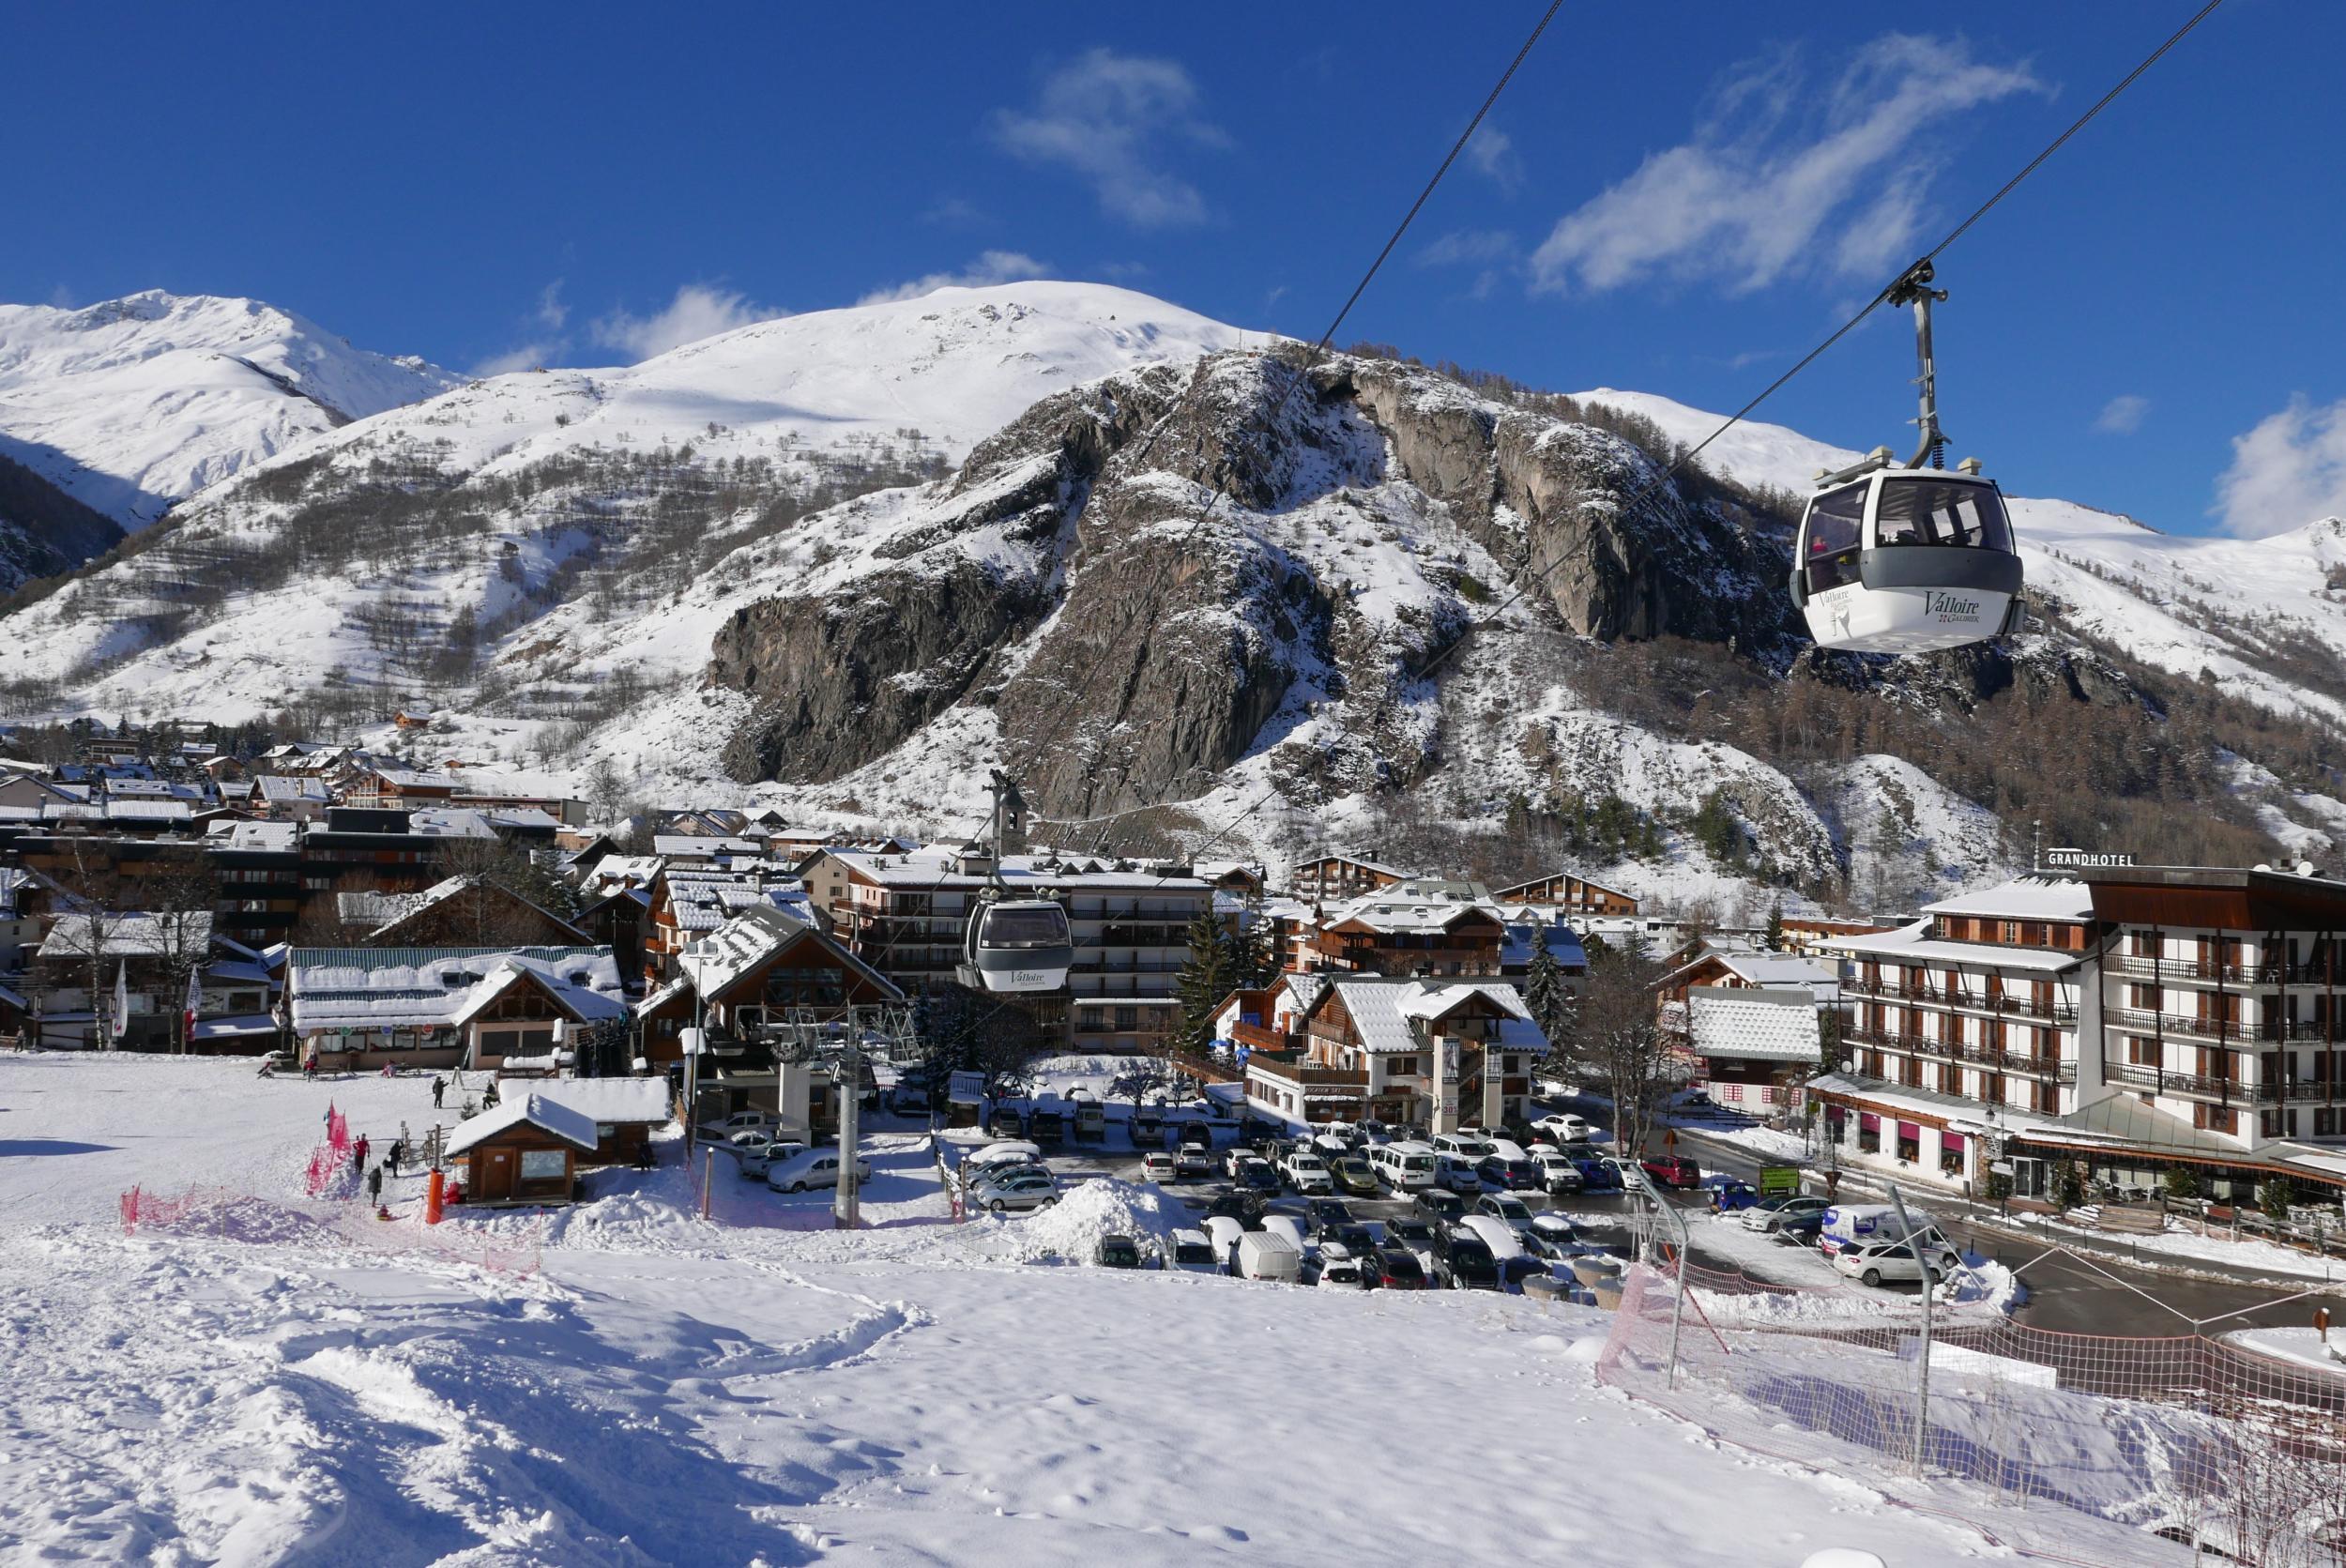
(1183, 567)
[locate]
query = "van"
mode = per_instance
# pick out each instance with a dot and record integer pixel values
(1471, 1145)
(1405, 1167)
(1287, 1225)
(1456, 1173)
(1091, 1121)
(1265, 1255)
(1857, 1224)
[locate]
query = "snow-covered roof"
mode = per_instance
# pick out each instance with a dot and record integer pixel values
(618, 870)
(724, 956)
(412, 778)
(1388, 913)
(148, 810)
(1912, 944)
(680, 845)
(372, 988)
(285, 790)
(253, 837)
(1383, 1011)
(1740, 1021)
(534, 1108)
(2025, 898)
(452, 822)
(135, 934)
(611, 1100)
(1522, 1034)
(932, 866)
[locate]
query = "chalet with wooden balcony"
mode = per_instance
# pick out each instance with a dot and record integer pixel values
(1400, 938)
(1440, 1052)
(1329, 878)
(1570, 894)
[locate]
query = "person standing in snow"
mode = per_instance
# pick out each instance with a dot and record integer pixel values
(360, 1148)
(489, 1096)
(375, 1186)
(392, 1155)
(440, 1086)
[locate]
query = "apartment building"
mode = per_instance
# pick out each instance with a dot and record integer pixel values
(906, 915)
(1967, 1023)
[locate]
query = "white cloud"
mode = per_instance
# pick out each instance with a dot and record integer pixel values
(528, 357)
(552, 313)
(698, 311)
(2285, 472)
(1492, 154)
(1469, 245)
(1110, 119)
(992, 266)
(1776, 162)
(2123, 415)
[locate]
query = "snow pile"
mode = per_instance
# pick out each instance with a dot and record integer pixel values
(1983, 1285)
(1069, 1230)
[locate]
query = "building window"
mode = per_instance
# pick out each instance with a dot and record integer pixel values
(1128, 1017)
(544, 1165)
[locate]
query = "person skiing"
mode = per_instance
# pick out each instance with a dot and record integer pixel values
(440, 1086)
(489, 1096)
(375, 1186)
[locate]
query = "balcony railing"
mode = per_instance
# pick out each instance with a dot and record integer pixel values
(2194, 1086)
(2143, 1021)
(2009, 1004)
(1956, 1050)
(2196, 971)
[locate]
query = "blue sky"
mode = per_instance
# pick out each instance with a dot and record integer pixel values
(1676, 199)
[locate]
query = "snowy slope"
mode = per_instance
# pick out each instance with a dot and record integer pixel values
(1754, 453)
(133, 405)
(277, 1379)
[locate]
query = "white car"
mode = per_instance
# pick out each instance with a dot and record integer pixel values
(1339, 1270)
(1308, 1174)
(1507, 1209)
(1012, 1192)
(1192, 1251)
(1564, 1128)
(813, 1167)
(741, 1121)
(1159, 1168)
(1879, 1263)
(757, 1154)
(1556, 1174)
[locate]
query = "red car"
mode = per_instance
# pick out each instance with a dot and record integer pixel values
(1672, 1170)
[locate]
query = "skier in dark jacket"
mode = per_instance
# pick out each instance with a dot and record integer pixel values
(440, 1086)
(374, 1185)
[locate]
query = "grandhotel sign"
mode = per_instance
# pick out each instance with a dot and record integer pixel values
(2078, 860)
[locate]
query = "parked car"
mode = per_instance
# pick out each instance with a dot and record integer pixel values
(1875, 1262)
(1444, 1206)
(1321, 1215)
(1598, 1176)
(1119, 1252)
(1563, 1128)
(1672, 1170)
(1554, 1227)
(1159, 1168)
(1235, 1159)
(1259, 1175)
(1403, 1164)
(1148, 1126)
(1508, 1175)
(1006, 1121)
(1223, 1233)
(1328, 1147)
(741, 1121)
(1394, 1269)
(1359, 1238)
(1192, 1163)
(1695, 1100)
(1514, 1270)
(757, 1154)
(1091, 1121)
(1339, 1270)
(1465, 1142)
(1012, 1192)
(1293, 1229)
(814, 1167)
(1768, 1216)
(1192, 1250)
(1265, 1255)
(1728, 1194)
(1466, 1264)
(1801, 1229)
(911, 1096)
(1551, 1249)
(1196, 1135)
(1307, 1174)
(1557, 1175)
(1506, 1207)
(1046, 1127)
(1239, 1206)
(1008, 1151)
(1494, 1233)
(1856, 1224)
(1352, 1175)
(1456, 1173)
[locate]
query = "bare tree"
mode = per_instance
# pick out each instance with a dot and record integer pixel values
(181, 899)
(1143, 1076)
(1617, 1040)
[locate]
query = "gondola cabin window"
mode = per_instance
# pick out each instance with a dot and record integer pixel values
(1836, 526)
(1968, 516)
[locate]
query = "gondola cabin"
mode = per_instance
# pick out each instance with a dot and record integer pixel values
(1016, 945)
(1907, 560)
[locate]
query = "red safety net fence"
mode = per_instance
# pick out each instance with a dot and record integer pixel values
(2019, 1429)
(226, 1214)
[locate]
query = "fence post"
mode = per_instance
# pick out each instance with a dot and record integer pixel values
(708, 1179)
(1922, 1377)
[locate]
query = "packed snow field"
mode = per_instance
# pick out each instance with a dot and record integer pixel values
(282, 1379)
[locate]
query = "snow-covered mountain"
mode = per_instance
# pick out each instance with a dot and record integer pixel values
(131, 405)
(846, 561)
